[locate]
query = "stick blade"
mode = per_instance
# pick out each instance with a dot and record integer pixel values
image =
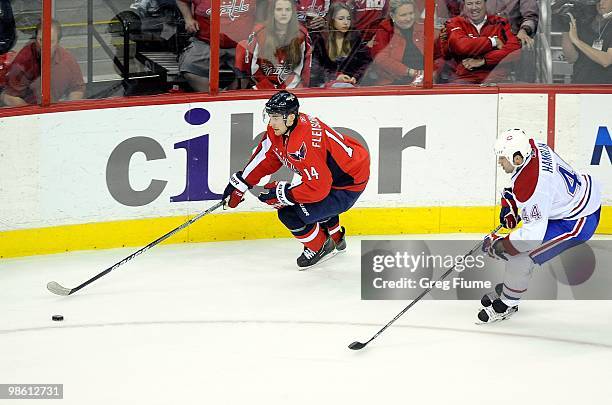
(57, 289)
(356, 346)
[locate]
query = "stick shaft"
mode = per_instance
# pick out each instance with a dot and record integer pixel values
(149, 246)
(417, 299)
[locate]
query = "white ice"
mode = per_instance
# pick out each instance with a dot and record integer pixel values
(236, 323)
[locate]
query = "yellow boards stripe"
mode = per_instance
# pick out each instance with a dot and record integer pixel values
(251, 225)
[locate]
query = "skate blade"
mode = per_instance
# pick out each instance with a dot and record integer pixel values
(479, 322)
(323, 260)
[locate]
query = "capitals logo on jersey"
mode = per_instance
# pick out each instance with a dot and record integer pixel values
(299, 154)
(282, 70)
(232, 9)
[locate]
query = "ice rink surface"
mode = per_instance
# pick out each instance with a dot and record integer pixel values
(236, 323)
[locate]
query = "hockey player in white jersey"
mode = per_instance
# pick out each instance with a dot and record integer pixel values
(559, 208)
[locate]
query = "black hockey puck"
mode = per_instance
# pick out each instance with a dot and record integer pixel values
(57, 317)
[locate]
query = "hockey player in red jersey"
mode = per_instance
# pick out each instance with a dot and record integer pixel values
(334, 171)
(558, 206)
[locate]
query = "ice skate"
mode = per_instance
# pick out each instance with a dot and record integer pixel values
(309, 258)
(497, 311)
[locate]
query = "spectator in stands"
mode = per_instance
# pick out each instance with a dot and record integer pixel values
(23, 83)
(339, 54)
(312, 13)
(8, 36)
(237, 21)
(398, 46)
(278, 53)
(589, 47)
(482, 46)
(523, 15)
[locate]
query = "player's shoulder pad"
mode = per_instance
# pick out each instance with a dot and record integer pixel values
(526, 180)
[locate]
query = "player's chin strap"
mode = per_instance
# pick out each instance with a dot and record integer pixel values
(292, 126)
(288, 131)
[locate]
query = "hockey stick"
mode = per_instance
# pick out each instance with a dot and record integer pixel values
(358, 345)
(56, 288)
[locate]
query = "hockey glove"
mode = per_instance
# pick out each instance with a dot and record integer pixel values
(508, 216)
(278, 195)
(494, 247)
(235, 190)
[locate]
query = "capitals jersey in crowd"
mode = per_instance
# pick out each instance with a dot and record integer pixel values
(237, 20)
(323, 158)
(547, 188)
(269, 75)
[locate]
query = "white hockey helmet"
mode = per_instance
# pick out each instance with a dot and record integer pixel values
(512, 141)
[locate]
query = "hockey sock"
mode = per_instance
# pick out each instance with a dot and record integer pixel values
(335, 233)
(312, 236)
(332, 225)
(519, 270)
(511, 296)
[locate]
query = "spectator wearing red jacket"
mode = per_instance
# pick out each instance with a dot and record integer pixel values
(398, 46)
(483, 46)
(277, 54)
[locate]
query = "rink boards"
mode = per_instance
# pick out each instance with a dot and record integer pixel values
(124, 176)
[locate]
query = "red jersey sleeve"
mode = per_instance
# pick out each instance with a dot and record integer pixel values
(263, 162)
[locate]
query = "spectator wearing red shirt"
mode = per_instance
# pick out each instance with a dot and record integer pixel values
(23, 83)
(237, 19)
(277, 54)
(483, 46)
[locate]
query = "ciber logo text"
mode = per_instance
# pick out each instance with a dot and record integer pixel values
(391, 142)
